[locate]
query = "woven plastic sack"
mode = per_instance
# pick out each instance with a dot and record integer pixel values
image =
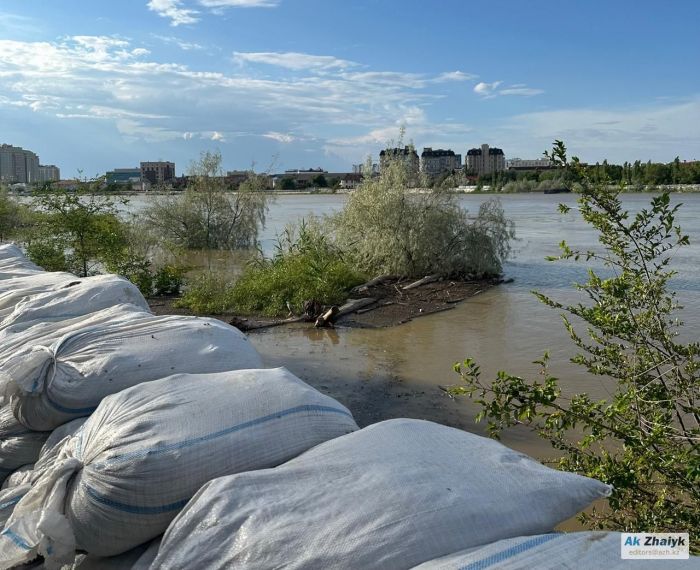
(76, 298)
(61, 433)
(12, 291)
(19, 476)
(579, 550)
(390, 496)
(18, 445)
(50, 385)
(147, 450)
(11, 251)
(17, 267)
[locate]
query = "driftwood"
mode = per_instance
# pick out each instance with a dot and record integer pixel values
(244, 326)
(372, 282)
(352, 305)
(368, 309)
(427, 279)
(327, 318)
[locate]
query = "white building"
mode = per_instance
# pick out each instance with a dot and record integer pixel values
(49, 173)
(528, 164)
(18, 165)
(485, 160)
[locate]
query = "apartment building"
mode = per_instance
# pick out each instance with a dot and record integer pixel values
(159, 172)
(18, 165)
(485, 160)
(48, 173)
(439, 161)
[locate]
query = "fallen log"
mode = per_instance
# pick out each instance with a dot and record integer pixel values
(424, 281)
(372, 282)
(327, 318)
(368, 309)
(352, 305)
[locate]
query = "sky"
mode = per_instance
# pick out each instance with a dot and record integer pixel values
(92, 85)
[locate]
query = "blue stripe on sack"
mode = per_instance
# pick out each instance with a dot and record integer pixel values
(11, 502)
(188, 443)
(509, 552)
(223, 432)
(176, 506)
(56, 406)
(17, 539)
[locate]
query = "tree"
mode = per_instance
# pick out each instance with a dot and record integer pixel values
(288, 184)
(12, 215)
(644, 439)
(320, 181)
(78, 232)
(386, 228)
(209, 216)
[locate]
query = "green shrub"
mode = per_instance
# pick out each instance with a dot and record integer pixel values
(168, 280)
(305, 267)
(207, 294)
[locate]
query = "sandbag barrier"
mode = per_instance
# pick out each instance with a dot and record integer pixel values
(167, 455)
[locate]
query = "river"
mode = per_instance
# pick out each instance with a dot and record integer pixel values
(397, 371)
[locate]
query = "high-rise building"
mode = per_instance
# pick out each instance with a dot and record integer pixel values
(18, 165)
(408, 155)
(439, 161)
(485, 160)
(362, 169)
(158, 172)
(49, 173)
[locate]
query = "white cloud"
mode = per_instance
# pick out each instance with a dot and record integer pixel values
(454, 76)
(173, 10)
(292, 60)
(182, 44)
(187, 136)
(491, 90)
(279, 137)
(217, 136)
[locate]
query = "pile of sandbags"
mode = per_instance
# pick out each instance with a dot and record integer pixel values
(147, 450)
(391, 496)
(12, 291)
(19, 446)
(51, 385)
(13, 263)
(580, 550)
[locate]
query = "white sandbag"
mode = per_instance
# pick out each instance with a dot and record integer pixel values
(51, 385)
(80, 297)
(139, 558)
(390, 496)
(19, 476)
(146, 450)
(11, 251)
(580, 550)
(26, 335)
(61, 433)
(9, 498)
(18, 445)
(12, 291)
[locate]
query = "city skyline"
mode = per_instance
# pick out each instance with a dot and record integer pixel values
(303, 83)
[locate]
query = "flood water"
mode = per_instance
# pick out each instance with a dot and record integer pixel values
(397, 371)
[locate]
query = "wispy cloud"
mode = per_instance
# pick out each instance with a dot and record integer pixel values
(454, 76)
(280, 137)
(491, 90)
(173, 10)
(292, 60)
(182, 44)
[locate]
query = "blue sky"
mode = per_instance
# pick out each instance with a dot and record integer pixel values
(94, 85)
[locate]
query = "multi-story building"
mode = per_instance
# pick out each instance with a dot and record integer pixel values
(18, 165)
(364, 170)
(408, 155)
(124, 176)
(160, 172)
(485, 160)
(49, 173)
(439, 161)
(531, 164)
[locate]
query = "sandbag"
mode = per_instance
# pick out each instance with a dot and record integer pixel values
(26, 335)
(390, 496)
(18, 445)
(9, 498)
(146, 450)
(59, 434)
(12, 291)
(11, 251)
(580, 550)
(19, 476)
(79, 297)
(139, 558)
(50, 385)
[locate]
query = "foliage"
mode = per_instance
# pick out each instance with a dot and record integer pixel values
(306, 266)
(207, 294)
(386, 228)
(78, 232)
(209, 216)
(13, 215)
(644, 439)
(168, 280)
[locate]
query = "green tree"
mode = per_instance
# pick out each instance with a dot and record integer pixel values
(320, 181)
(644, 439)
(209, 216)
(12, 215)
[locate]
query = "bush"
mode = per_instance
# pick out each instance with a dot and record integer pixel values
(306, 266)
(387, 229)
(168, 280)
(644, 439)
(207, 294)
(208, 215)
(13, 215)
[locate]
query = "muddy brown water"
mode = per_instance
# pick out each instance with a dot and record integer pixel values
(398, 371)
